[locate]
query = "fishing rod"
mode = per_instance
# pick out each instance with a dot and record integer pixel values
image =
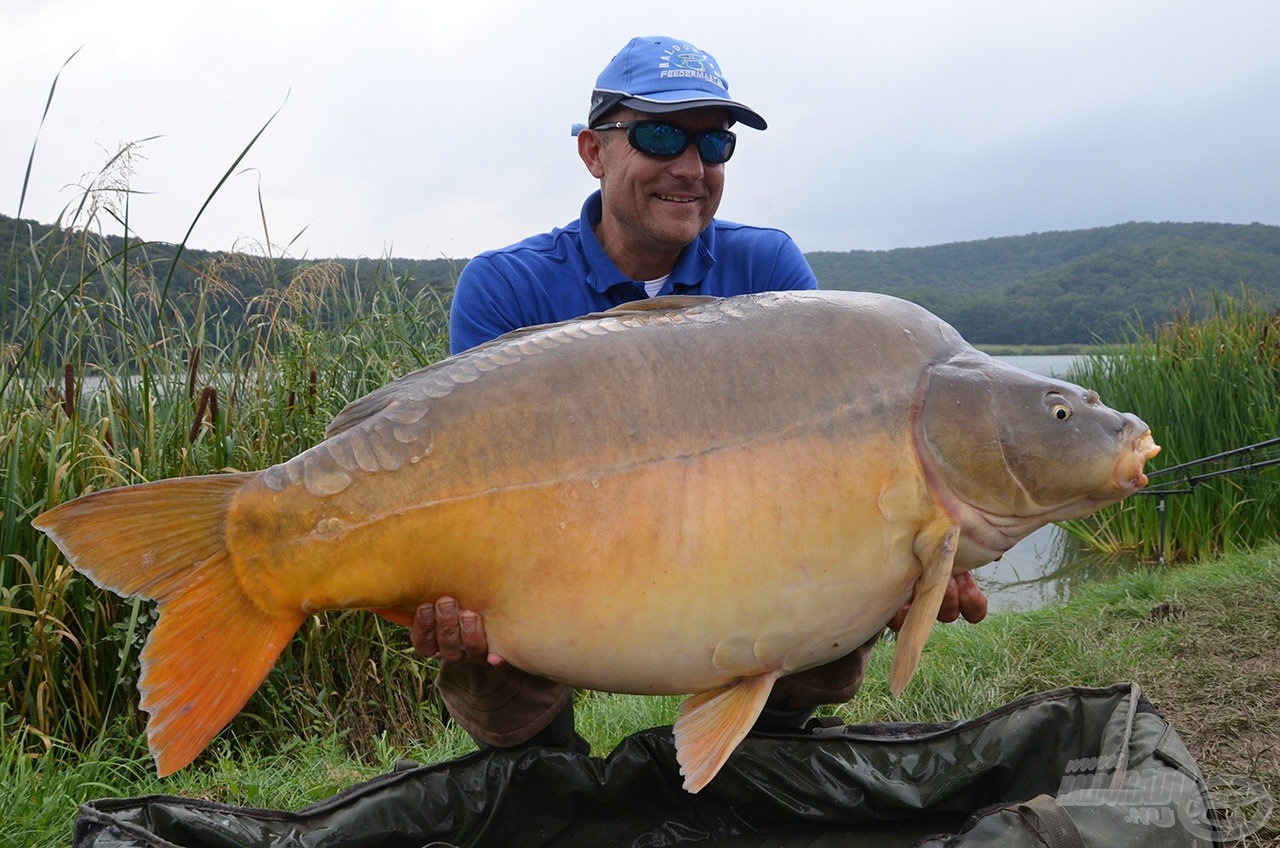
(1252, 457)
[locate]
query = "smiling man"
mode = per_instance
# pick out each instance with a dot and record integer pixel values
(657, 138)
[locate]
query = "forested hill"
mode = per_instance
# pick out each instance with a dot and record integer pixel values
(1065, 287)
(33, 254)
(1046, 288)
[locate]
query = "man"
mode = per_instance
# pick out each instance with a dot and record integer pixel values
(657, 138)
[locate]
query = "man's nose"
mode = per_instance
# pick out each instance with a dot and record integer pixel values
(689, 163)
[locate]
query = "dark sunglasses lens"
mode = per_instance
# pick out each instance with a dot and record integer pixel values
(664, 140)
(716, 147)
(659, 139)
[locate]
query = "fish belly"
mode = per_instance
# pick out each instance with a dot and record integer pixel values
(673, 575)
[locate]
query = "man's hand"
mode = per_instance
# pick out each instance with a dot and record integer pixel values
(963, 598)
(495, 702)
(452, 634)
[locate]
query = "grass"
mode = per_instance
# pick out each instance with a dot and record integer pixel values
(1197, 638)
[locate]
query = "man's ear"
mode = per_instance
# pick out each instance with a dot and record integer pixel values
(591, 149)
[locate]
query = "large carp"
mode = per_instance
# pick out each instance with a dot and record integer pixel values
(688, 495)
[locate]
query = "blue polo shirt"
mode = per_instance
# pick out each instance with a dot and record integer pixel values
(565, 273)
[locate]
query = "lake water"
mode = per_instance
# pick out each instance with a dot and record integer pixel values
(1050, 366)
(1042, 568)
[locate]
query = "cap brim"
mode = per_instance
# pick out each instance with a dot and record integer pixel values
(737, 111)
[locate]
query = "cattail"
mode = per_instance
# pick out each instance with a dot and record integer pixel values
(193, 363)
(208, 401)
(69, 390)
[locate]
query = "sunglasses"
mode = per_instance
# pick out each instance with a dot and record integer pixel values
(665, 141)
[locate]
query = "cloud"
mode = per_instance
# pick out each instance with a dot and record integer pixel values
(434, 129)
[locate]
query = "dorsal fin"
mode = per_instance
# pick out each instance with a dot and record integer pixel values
(361, 410)
(658, 304)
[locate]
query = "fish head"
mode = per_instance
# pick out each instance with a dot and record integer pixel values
(1005, 451)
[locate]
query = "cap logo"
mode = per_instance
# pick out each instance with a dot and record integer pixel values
(683, 61)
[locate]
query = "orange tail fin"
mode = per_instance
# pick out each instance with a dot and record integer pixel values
(213, 644)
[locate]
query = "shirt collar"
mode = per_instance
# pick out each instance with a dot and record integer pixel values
(692, 266)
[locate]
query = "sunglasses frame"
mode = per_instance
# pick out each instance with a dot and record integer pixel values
(689, 138)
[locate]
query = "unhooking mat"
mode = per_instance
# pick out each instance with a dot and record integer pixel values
(1065, 769)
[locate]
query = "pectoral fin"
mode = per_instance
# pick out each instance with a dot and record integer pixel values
(936, 550)
(712, 723)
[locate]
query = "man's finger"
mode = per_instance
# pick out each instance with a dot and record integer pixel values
(973, 602)
(950, 609)
(423, 632)
(899, 617)
(962, 597)
(448, 631)
(471, 628)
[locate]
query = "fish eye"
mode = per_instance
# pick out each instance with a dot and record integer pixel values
(1058, 406)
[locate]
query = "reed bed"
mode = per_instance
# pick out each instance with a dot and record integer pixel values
(1205, 388)
(109, 376)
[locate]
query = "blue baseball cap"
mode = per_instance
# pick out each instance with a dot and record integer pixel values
(657, 74)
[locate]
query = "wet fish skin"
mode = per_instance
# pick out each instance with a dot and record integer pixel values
(680, 496)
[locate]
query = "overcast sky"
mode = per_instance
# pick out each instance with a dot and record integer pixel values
(440, 129)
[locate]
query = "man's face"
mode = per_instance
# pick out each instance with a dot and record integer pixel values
(654, 205)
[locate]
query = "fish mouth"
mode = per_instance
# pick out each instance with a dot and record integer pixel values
(1000, 531)
(1129, 475)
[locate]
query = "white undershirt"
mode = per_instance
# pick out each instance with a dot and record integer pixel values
(652, 287)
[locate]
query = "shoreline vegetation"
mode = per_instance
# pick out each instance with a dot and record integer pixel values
(1037, 350)
(1197, 638)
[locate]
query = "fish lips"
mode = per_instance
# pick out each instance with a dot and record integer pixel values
(1129, 470)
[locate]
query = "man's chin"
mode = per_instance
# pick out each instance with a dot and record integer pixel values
(677, 231)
